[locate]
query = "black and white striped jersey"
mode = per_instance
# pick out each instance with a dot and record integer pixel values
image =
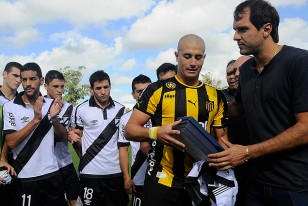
(137, 156)
(100, 155)
(62, 153)
(34, 156)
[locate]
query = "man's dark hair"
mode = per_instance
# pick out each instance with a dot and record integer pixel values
(53, 74)
(231, 62)
(8, 67)
(165, 67)
(31, 66)
(261, 12)
(98, 76)
(140, 79)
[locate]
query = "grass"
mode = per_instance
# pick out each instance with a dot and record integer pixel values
(74, 156)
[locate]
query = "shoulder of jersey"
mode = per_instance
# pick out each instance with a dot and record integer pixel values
(82, 103)
(127, 114)
(48, 100)
(117, 103)
(65, 103)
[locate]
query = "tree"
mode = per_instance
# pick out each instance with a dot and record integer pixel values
(73, 90)
(208, 79)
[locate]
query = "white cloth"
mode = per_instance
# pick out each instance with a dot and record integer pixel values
(224, 195)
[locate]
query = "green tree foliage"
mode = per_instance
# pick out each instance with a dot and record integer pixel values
(208, 79)
(74, 91)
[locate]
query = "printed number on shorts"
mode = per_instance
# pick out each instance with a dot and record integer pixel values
(88, 193)
(136, 201)
(26, 199)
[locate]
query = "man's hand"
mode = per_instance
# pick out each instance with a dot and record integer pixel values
(56, 107)
(73, 136)
(38, 108)
(233, 156)
(9, 168)
(129, 186)
(165, 135)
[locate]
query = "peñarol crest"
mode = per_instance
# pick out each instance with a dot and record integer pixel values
(209, 106)
(170, 85)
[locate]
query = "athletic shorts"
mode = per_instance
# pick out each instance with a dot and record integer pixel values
(38, 191)
(155, 194)
(71, 182)
(137, 197)
(6, 195)
(99, 190)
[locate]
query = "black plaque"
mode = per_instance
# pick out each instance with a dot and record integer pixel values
(198, 142)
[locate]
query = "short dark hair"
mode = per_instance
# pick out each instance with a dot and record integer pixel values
(140, 79)
(53, 74)
(31, 66)
(165, 67)
(10, 65)
(231, 62)
(261, 12)
(98, 76)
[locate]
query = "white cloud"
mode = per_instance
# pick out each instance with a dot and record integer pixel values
(21, 38)
(31, 12)
(120, 80)
(170, 20)
(127, 99)
(162, 57)
(285, 3)
(77, 50)
(128, 65)
(297, 35)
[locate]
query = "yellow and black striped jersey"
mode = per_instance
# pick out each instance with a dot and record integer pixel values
(167, 100)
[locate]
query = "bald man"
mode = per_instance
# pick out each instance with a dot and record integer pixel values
(165, 101)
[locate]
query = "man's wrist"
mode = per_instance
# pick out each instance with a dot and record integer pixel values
(153, 133)
(247, 154)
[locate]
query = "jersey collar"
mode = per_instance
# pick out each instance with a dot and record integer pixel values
(18, 99)
(92, 103)
(1, 94)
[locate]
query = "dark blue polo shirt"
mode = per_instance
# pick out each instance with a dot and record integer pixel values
(271, 99)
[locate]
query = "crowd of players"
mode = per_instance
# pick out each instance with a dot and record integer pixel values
(268, 98)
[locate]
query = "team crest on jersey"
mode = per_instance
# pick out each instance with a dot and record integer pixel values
(24, 119)
(64, 120)
(170, 85)
(209, 106)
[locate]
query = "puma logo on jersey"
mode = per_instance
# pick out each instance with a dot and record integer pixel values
(138, 103)
(194, 103)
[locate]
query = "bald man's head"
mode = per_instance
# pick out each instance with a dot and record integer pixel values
(238, 63)
(241, 60)
(190, 58)
(191, 39)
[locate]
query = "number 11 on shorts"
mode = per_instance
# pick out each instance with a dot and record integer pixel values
(26, 199)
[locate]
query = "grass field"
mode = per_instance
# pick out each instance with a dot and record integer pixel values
(74, 156)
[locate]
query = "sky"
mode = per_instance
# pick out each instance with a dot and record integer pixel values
(126, 38)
